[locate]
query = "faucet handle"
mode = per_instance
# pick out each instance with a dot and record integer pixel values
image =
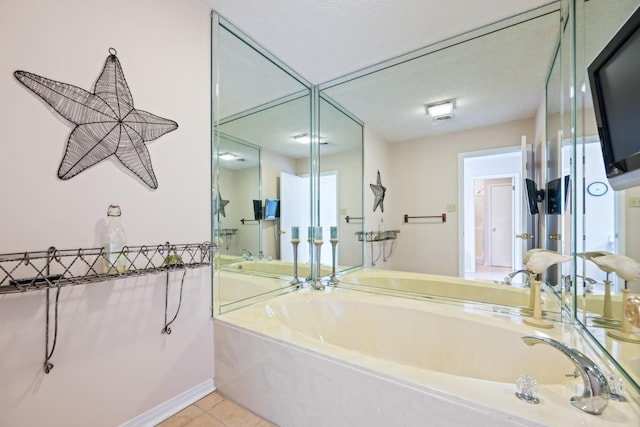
(527, 389)
(616, 386)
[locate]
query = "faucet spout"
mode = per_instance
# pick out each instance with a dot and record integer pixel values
(247, 255)
(527, 277)
(596, 394)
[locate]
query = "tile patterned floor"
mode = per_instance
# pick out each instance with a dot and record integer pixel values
(214, 410)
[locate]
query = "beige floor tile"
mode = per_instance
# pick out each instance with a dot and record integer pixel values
(183, 417)
(265, 423)
(206, 420)
(234, 415)
(209, 401)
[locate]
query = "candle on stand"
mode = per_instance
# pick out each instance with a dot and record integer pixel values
(295, 232)
(334, 232)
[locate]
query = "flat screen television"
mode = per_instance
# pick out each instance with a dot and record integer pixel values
(553, 195)
(614, 76)
(257, 209)
(271, 208)
(534, 196)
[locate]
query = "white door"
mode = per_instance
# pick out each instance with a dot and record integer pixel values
(328, 213)
(501, 227)
(525, 226)
(294, 211)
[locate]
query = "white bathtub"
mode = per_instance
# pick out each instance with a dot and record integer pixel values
(347, 358)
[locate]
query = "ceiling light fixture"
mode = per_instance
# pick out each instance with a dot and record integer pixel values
(441, 108)
(303, 138)
(228, 156)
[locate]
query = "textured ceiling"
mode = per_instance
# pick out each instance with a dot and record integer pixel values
(325, 39)
(495, 74)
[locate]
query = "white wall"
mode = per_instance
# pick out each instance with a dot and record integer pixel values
(349, 167)
(425, 180)
(111, 361)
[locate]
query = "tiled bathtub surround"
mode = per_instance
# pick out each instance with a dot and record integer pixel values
(352, 358)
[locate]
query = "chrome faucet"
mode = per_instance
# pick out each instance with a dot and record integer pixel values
(527, 275)
(587, 282)
(247, 255)
(596, 394)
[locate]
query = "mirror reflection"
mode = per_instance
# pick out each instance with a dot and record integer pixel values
(467, 167)
(605, 217)
(260, 106)
(264, 179)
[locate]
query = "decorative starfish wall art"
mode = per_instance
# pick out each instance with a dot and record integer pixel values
(220, 205)
(378, 192)
(106, 122)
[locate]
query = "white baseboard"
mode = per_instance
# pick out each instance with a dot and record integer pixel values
(171, 406)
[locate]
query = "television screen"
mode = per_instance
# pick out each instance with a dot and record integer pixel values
(554, 195)
(615, 86)
(532, 196)
(257, 209)
(272, 209)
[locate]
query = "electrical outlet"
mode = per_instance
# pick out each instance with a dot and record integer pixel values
(451, 207)
(634, 202)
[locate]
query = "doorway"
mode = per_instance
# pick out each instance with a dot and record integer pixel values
(491, 206)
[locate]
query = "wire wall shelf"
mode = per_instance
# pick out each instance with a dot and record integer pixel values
(26, 271)
(54, 269)
(377, 236)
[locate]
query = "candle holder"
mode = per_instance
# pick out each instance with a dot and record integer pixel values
(295, 243)
(332, 280)
(607, 310)
(310, 234)
(626, 331)
(317, 284)
(537, 320)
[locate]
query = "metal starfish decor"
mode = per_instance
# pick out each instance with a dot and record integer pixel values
(106, 122)
(378, 192)
(220, 205)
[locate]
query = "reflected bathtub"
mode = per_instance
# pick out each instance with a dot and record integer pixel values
(345, 357)
(275, 268)
(441, 286)
(234, 288)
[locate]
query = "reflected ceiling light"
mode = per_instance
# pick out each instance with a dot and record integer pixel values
(303, 138)
(228, 156)
(441, 108)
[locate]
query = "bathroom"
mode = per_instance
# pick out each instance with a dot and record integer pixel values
(111, 353)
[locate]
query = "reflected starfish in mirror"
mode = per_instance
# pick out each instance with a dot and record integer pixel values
(220, 206)
(106, 122)
(378, 192)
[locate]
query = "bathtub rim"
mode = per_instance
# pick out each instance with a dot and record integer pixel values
(558, 315)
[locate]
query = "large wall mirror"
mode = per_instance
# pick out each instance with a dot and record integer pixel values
(283, 159)
(496, 78)
(603, 217)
